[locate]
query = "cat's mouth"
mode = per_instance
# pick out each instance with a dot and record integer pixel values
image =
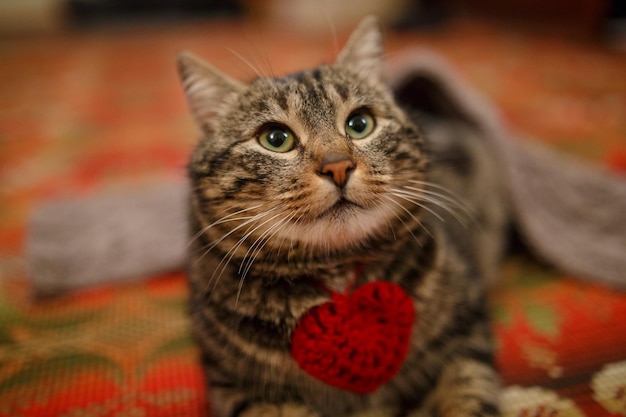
(342, 223)
(342, 205)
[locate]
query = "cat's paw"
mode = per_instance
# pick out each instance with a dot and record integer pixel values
(282, 410)
(379, 412)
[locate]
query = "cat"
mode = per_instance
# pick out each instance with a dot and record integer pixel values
(311, 188)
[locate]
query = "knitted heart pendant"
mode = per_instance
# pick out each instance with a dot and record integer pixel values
(356, 342)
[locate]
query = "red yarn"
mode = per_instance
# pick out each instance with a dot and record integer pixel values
(356, 342)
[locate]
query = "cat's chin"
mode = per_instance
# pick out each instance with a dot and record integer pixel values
(342, 226)
(341, 209)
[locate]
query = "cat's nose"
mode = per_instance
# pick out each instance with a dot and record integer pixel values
(337, 167)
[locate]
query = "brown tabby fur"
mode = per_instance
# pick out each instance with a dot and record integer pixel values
(268, 227)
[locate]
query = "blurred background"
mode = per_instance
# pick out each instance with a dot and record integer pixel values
(581, 18)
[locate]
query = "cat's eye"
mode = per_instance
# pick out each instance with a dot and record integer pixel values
(360, 124)
(277, 138)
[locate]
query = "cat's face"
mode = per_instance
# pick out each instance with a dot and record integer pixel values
(318, 157)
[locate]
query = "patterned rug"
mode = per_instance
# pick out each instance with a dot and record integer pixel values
(87, 112)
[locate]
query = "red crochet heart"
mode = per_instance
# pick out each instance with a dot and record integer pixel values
(356, 342)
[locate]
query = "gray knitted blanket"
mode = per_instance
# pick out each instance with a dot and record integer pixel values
(569, 214)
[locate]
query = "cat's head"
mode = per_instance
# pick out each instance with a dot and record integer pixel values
(321, 157)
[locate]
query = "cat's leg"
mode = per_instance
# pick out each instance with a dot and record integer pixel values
(466, 388)
(379, 412)
(229, 400)
(281, 410)
(226, 402)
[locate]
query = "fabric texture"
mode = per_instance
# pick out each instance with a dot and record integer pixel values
(559, 204)
(83, 116)
(358, 340)
(102, 239)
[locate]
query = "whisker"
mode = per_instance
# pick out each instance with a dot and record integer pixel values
(409, 213)
(257, 245)
(448, 194)
(438, 203)
(223, 220)
(261, 60)
(285, 237)
(290, 249)
(286, 223)
(231, 252)
(404, 223)
(431, 184)
(393, 232)
(245, 61)
(266, 236)
(454, 208)
(239, 243)
(411, 198)
(221, 239)
(333, 30)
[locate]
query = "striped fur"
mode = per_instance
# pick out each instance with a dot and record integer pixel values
(268, 227)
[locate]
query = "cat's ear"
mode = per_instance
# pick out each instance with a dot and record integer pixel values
(364, 50)
(206, 88)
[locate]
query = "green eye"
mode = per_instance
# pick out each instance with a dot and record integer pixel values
(277, 138)
(360, 124)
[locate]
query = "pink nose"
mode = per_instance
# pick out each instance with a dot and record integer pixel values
(337, 167)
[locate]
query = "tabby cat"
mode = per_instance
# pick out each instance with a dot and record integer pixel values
(319, 185)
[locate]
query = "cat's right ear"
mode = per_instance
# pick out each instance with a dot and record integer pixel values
(206, 89)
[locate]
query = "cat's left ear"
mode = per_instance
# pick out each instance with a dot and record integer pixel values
(364, 50)
(206, 88)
